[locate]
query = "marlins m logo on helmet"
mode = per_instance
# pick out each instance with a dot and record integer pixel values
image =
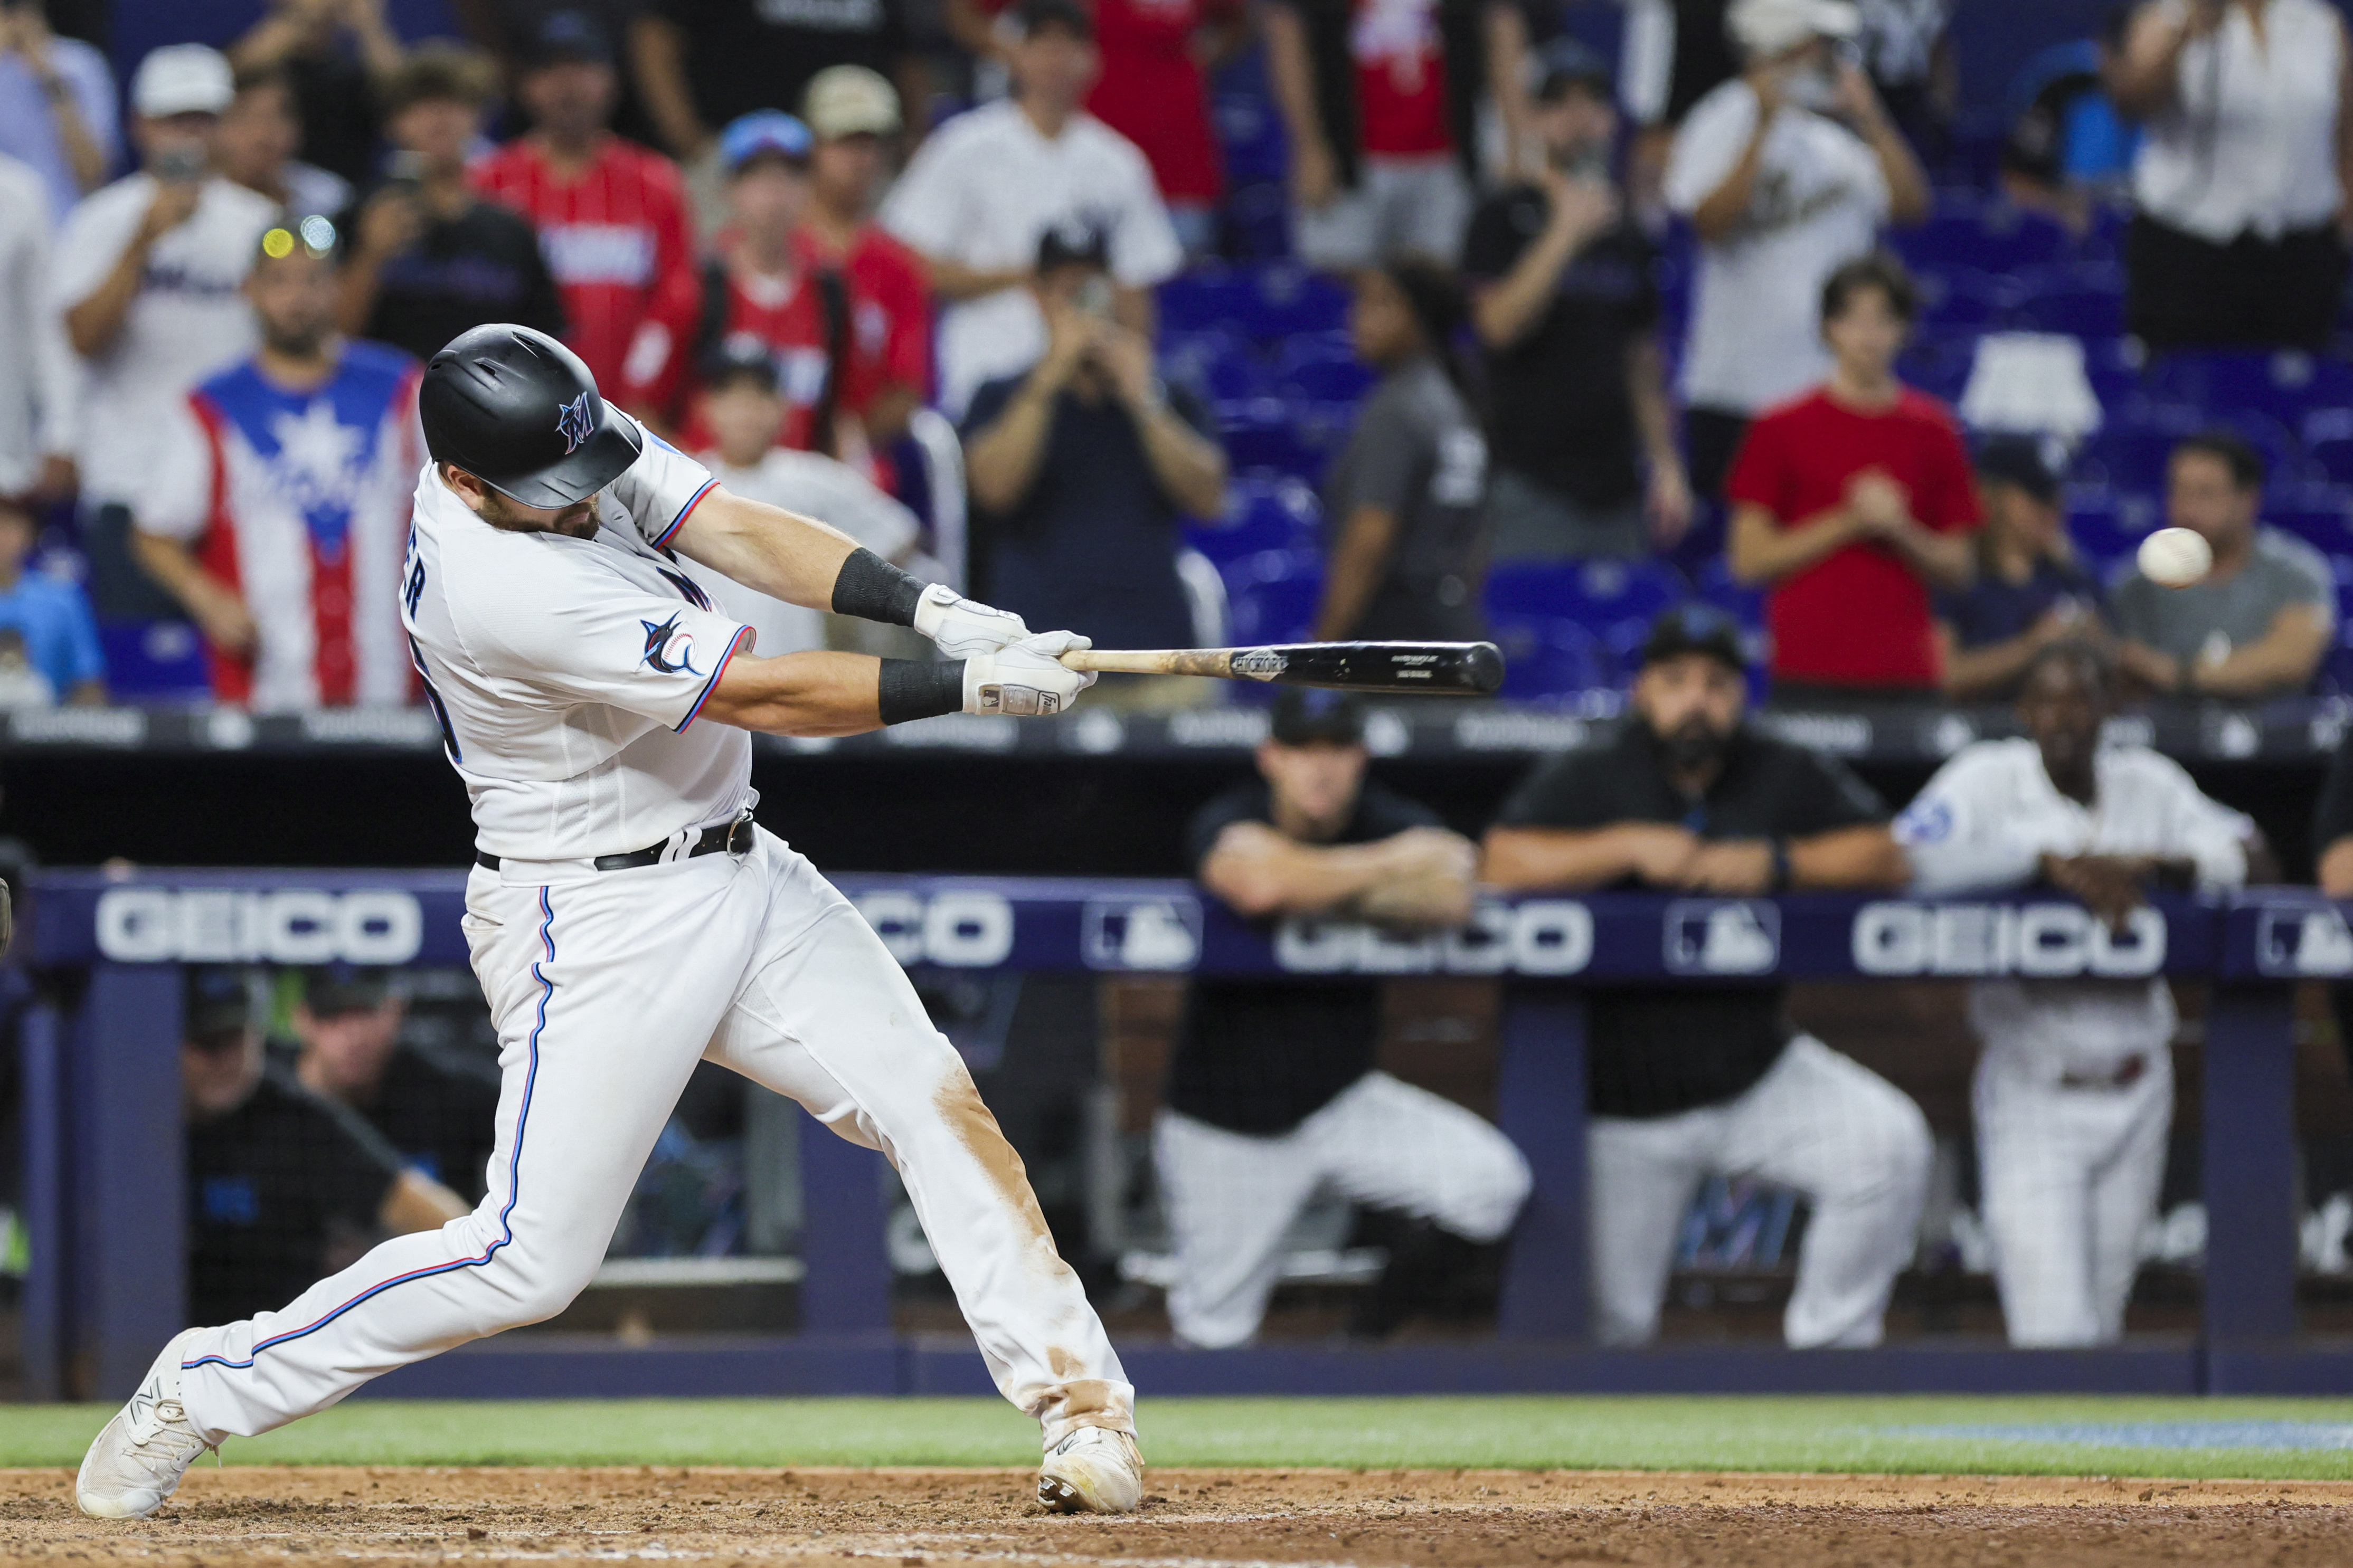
(574, 424)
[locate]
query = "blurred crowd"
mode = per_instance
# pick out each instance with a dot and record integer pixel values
(957, 287)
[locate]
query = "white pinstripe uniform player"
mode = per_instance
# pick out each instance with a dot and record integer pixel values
(626, 918)
(2074, 1091)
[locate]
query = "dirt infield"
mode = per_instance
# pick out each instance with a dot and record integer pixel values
(1194, 1519)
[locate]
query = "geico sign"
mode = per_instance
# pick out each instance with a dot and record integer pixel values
(1543, 936)
(289, 925)
(960, 929)
(2032, 940)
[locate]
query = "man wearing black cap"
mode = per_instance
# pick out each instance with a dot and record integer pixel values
(2030, 591)
(611, 214)
(1690, 1080)
(438, 1117)
(279, 1179)
(1564, 304)
(1272, 1095)
(1085, 467)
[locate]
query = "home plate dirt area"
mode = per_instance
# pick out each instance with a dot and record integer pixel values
(1193, 1519)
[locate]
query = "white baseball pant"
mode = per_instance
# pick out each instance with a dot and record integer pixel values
(1230, 1196)
(1851, 1141)
(607, 988)
(2068, 1177)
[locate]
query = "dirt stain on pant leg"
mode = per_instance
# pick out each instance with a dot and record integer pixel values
(959, 1104)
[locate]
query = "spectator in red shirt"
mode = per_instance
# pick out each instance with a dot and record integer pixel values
(1381, 99)
(611, 214)
(766, 287)
(850, 110)
(1854, 502)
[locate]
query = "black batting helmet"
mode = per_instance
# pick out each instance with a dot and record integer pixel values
(519, 411)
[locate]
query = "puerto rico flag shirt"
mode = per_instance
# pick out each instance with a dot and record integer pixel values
(300, 500)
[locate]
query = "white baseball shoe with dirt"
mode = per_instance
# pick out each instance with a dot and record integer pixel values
(139, 1459)
(1093, 1470)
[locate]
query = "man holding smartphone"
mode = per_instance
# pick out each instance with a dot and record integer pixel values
(1083, 467)
(146, 278)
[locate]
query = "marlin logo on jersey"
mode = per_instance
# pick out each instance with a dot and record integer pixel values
(668, 650)
(574, 424)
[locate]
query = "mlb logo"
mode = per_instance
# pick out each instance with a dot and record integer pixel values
(1708, 936)
(2315, 942)
(1141, 934)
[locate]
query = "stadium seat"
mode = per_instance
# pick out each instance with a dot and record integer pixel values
(2320, 515)
(1272, 597)
(1939, 363)
(1999, 239)
(1263, 433)
(1207, 300)
(1216, 365)
(1714, 585)
(154, 662)
(1546, 657)
(1265, 511)
(2082, 303)
(2285, 386)
(2328, 444)
(1594, 593)
(2106, 528)
(1322, 369)
(1283, 301)
(1957, 298)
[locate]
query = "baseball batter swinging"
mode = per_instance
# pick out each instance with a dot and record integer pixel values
(627, 918)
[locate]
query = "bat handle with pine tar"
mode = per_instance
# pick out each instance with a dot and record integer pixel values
(1027, 679)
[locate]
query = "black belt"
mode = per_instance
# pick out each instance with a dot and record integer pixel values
(732, 837)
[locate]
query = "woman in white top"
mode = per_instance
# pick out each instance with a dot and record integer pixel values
(2240, 178)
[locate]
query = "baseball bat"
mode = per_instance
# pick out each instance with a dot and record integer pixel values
(1455, 669)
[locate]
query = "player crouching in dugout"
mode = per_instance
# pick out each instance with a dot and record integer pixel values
(2073, 1092)
(1273, 1097)
(1692, 1080)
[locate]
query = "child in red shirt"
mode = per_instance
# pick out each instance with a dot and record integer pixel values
(1854, 503)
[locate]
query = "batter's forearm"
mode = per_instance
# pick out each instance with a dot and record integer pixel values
(811, 693)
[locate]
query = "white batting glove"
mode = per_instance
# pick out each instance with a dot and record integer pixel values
(962, 628)
(1027, 679)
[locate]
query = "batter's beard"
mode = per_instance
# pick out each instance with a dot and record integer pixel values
(577, 521)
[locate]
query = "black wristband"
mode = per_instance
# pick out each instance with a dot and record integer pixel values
(1780, 867)
(918, 689)
(871, 589)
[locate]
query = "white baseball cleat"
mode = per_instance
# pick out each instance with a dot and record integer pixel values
(139, 1459)
(1093, 1470)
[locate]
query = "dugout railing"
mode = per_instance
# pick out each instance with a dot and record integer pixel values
(104, 1200)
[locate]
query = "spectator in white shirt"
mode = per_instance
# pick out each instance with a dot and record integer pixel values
(146, 277)
(1787, 173)
(2240, 180)
(742, 406)
(32, 397)
(57, 106)
(989, 184)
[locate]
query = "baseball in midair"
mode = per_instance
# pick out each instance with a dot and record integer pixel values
(2175, 557)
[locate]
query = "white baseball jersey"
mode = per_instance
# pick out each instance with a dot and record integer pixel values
(1985, 821)
(567, 673)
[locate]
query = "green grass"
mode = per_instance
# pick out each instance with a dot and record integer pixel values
(1512, 1432)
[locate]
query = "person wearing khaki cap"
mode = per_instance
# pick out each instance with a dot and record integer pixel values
(853, 114)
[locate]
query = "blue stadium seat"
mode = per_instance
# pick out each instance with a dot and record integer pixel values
(1272, 597)
(2107, 528)
(1939, 363)
(2320, 515)
(1284, 301)
(1264, 433)
(2328, 444)
(1547, 657)
(1265, 512)
(1957, 298)
(2283, 386)
(1209, 299)
(1595, 592)
(2130, 452)
(154, 662)
(1258, 222)
(1992, 239)
(1714, 585)
(1322, 369)
(2081, 302)
(1216, 365)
